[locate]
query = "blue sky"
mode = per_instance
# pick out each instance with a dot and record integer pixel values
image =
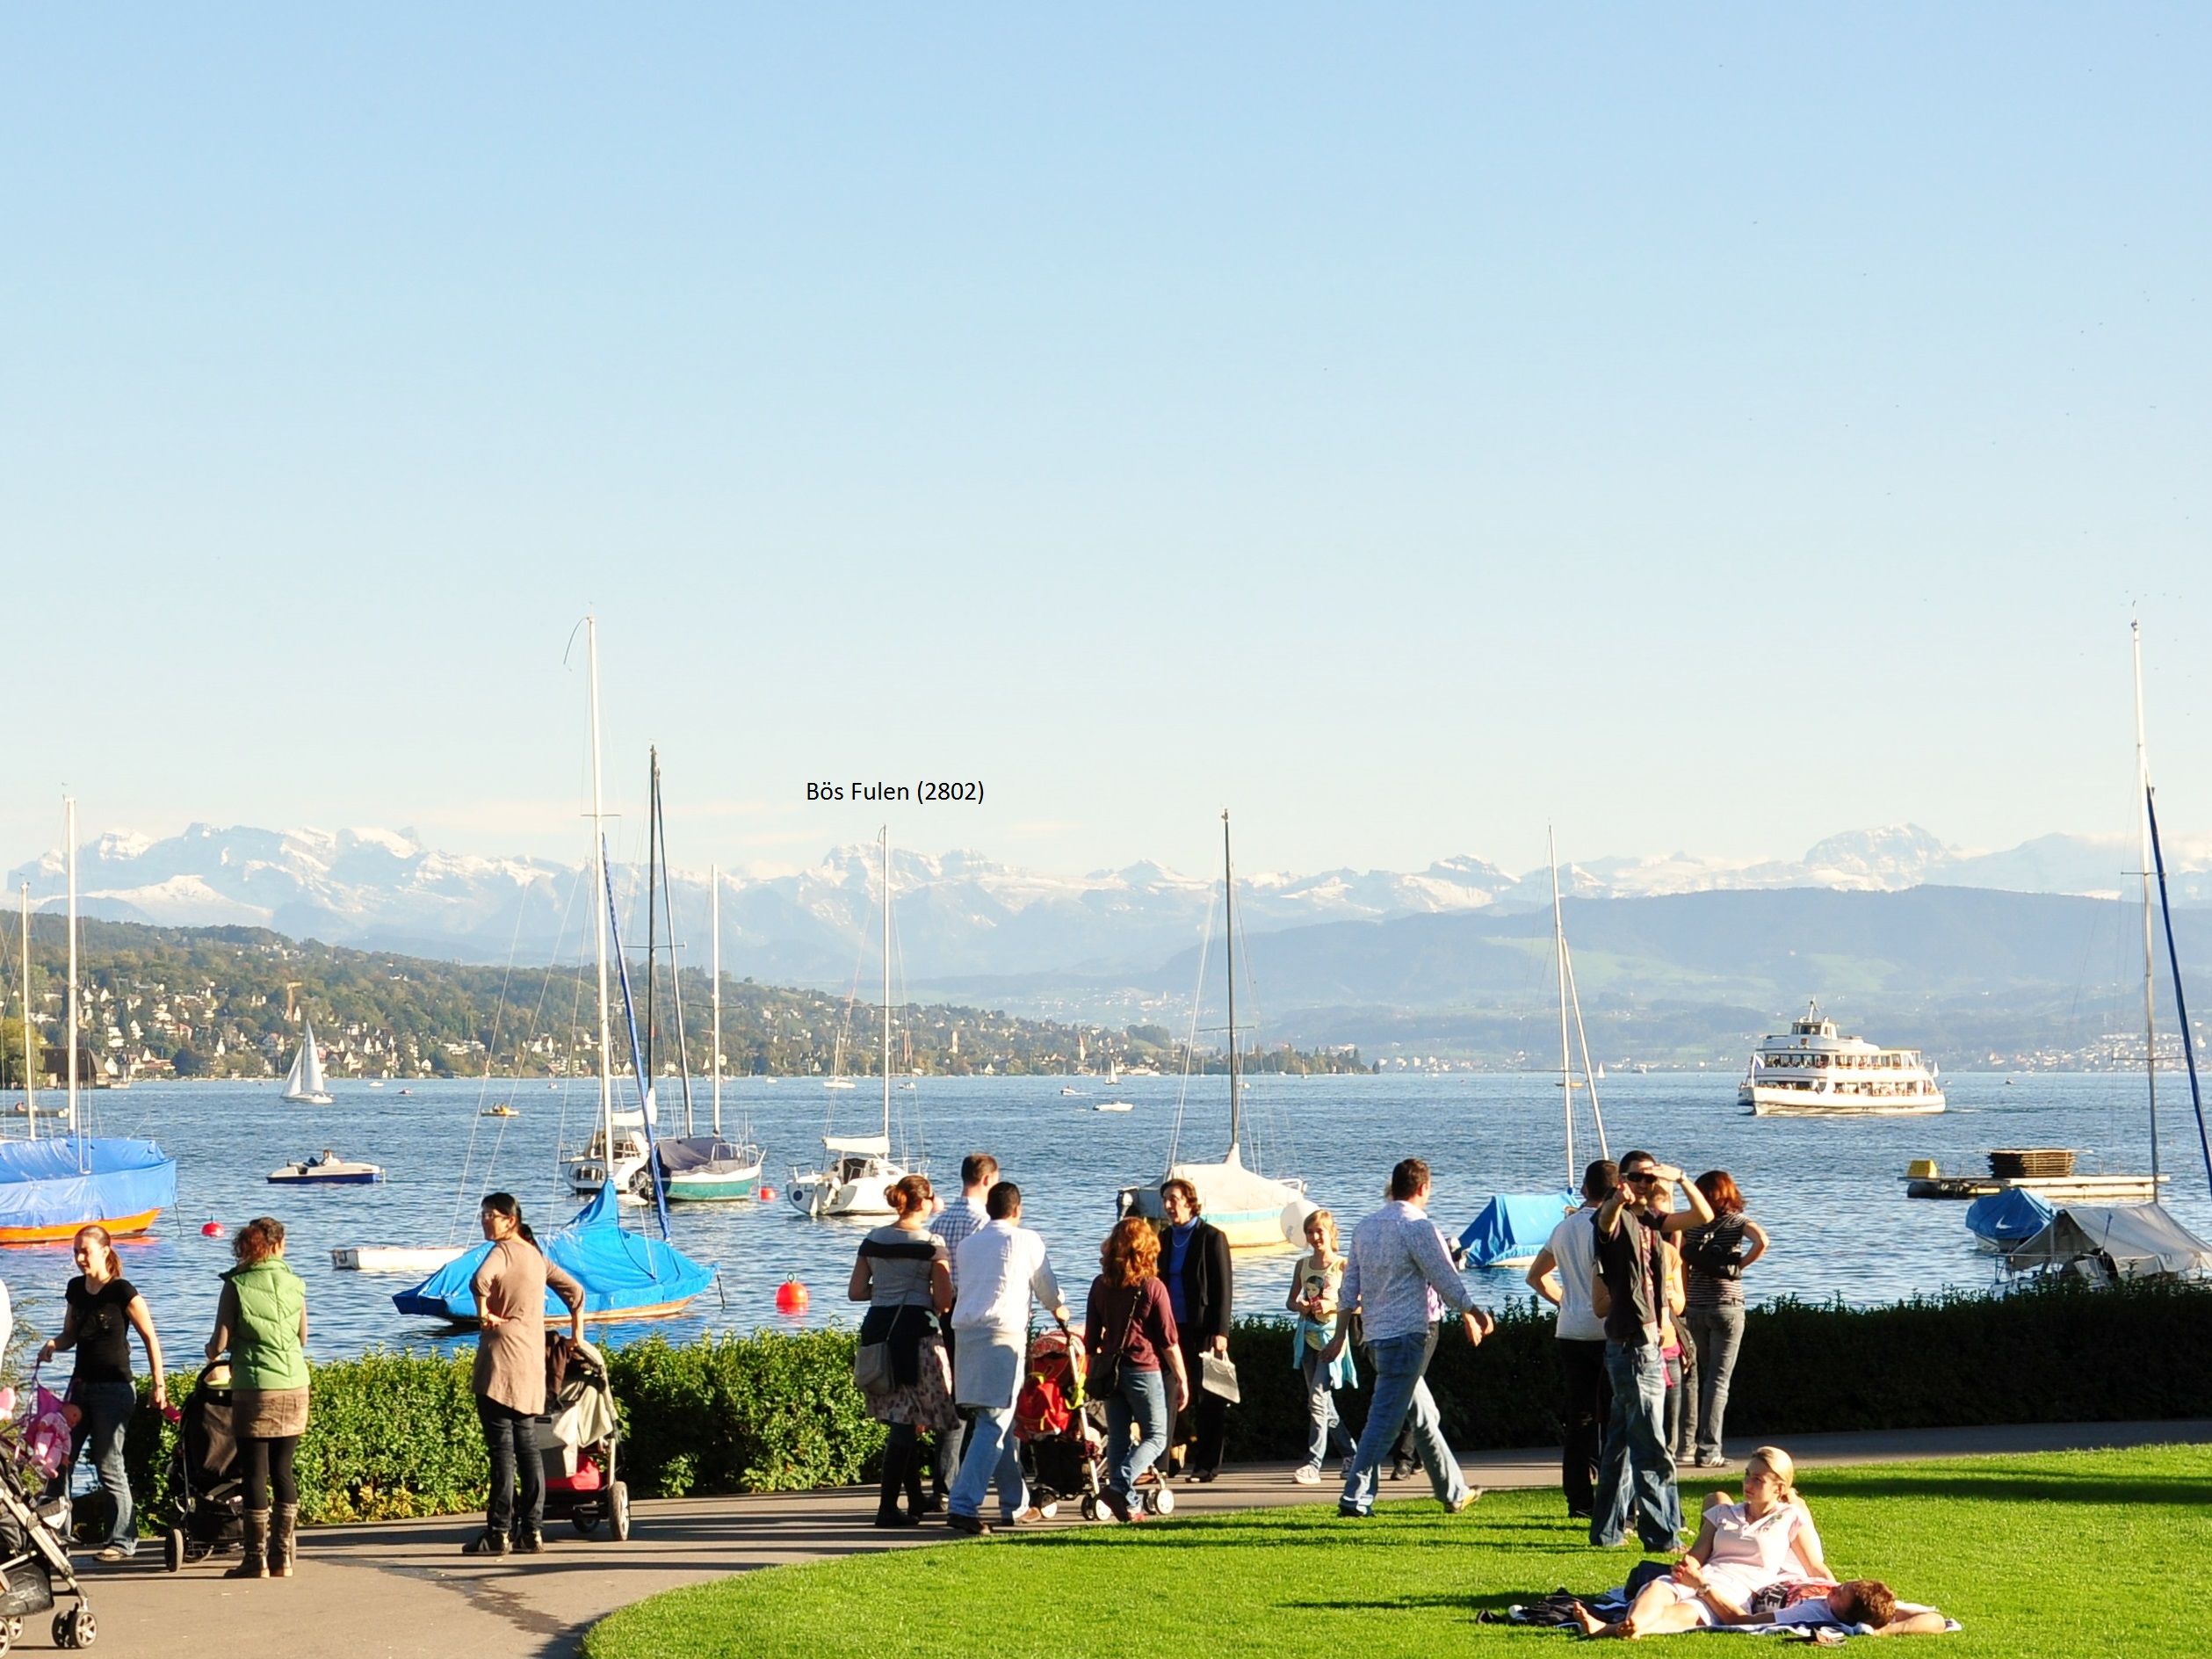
(1709, 430)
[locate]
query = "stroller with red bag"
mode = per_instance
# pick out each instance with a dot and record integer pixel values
(578, 1440)
(205, 1482)
(1062, 1453)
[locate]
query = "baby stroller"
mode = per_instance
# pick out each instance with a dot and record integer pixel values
(204, 1476)
(34, 1557)
(579, 1440)
(1061, 1449)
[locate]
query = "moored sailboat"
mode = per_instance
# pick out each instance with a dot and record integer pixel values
(1253, 1211)
(50, 1188)
(860, 1169)
(699, 1170)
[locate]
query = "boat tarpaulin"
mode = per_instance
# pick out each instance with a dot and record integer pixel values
(620, 1271)
(73, 1179)
(2010, 1217)
(2133, 1241)
(1515, 1225)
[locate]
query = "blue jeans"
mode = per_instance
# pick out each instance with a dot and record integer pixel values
(1636, 1470)
(1400, 1393)
(991, 1455)
(1324, 1428)
(108, 1408)
(1719, 1335)
(1141, 1399)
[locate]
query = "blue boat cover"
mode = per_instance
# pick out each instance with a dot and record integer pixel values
(72, 1179)
(2008, 1217)
(619, 1270)
(1513, 1226)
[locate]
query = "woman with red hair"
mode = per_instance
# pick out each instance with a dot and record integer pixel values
(1714, 1257)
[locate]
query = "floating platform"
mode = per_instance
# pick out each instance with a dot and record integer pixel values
(2053, 1189)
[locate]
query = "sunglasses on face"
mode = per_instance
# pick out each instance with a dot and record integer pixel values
(1641, 1178)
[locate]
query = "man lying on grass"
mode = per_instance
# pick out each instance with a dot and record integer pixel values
(1750, 1563)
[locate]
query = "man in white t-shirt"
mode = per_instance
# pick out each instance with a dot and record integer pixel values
(1003, 1265)
(1561, 1274)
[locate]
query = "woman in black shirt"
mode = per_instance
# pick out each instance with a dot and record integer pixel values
(104, 1308)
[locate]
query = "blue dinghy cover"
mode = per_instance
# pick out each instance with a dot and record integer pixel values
(70, 1180)
(1515, 1225)
(2010, 1217)
(619, 1270)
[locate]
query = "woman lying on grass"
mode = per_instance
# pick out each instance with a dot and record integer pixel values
(1759, 1561)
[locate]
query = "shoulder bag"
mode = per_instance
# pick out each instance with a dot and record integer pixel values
(1105, 1374)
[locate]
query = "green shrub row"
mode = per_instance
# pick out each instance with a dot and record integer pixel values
(395, 1435)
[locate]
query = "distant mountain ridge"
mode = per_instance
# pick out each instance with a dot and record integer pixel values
(960, 914)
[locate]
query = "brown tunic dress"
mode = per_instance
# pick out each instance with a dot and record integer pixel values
(511, 1356)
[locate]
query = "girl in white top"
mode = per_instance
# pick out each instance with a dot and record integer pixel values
(1741, 1549)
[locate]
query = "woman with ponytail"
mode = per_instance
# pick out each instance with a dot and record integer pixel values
(103, 1308)
(509, 1381)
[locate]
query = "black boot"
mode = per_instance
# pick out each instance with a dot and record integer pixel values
(898, 1459)
(918, 1503)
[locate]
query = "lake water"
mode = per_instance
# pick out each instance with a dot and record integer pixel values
(1826, 1189)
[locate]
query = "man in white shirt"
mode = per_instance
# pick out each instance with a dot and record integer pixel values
(1561, 1274)
(1001, 1265)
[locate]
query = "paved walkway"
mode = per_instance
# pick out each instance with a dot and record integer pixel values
(402, 1589)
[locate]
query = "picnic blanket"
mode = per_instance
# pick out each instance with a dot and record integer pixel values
(1557, 1609)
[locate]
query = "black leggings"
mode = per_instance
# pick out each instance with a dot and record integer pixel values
(269, 1464)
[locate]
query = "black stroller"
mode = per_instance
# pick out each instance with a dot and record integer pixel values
(34, 1560)
(204, 1477)
(579, 1440)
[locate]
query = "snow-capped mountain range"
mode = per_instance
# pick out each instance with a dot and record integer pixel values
(960, 913)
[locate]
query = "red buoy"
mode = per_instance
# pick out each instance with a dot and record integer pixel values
(211, 1228)
(765, 1193)
(791, 1297)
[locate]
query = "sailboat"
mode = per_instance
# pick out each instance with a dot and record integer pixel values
(304, 1085)
(1513, 1226)
(1254, 1211)
(697, 1169)
(853, 1180)
(50, 1188)
(624, 1274)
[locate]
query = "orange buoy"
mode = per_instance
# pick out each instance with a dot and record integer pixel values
(791, 1297)
(211, 1228)
(765, 1194)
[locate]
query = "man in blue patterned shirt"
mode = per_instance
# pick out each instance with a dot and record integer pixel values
(1400, 1277)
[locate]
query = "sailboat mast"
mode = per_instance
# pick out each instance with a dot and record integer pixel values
(2149, 957)
(714, 926)
(1229, 919)
(675, 974)
(69, 1037)
(30, 1097)
(599, 910)
(1559, 963)
(886, 984)
(651, 929)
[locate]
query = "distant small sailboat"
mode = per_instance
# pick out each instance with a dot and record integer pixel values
(305, 1084)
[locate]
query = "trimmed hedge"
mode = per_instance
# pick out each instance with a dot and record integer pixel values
(395, 1435)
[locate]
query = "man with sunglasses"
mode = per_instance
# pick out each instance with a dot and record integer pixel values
(1635, 1472)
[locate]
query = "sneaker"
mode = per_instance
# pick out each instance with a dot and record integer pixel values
(1307, 1474)
(1469, 1496)
(1400, 1468)
(1712, 1460)
(972, 1525)
(1350, 1512)
(530, 1543)
(486, 1544)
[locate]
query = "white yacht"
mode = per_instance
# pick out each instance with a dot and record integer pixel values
(1812, 1071)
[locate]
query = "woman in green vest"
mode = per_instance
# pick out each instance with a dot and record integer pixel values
(262, 1321)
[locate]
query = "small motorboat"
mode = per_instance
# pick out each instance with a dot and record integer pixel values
(1111, 1106)
(1071, 1090)
(391, 1258)
(328, 1168)
(503, 1110)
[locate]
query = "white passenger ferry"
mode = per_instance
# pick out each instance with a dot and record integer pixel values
(1811, 1071)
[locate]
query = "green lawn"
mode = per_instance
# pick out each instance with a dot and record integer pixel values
(2070, 1553)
